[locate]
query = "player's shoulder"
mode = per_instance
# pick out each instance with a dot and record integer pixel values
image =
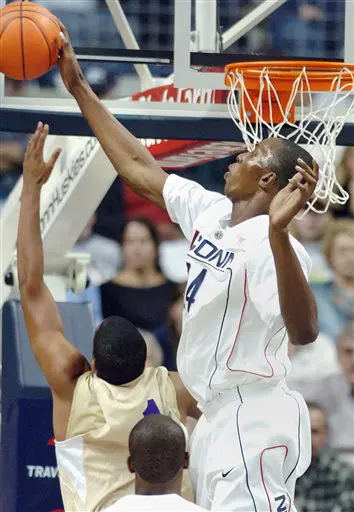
(178, 184)
(156, 376)
(256, 233)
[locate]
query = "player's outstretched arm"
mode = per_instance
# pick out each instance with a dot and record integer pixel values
(130, 158)
(297, 303)
(60, 361)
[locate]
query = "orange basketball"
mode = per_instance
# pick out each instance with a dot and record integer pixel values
(29, 40)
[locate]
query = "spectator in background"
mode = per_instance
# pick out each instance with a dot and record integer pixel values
(173, 251)
(310, 231)
(104, 254)
(168, 335)
(157, 456)
(335, 299)
(12, 148)
(312, 362)
(345, 175)
(174, 247)
(328, 484)
(102, 78)
(139, 291)
(154, 355)
(306, 19)
(335, 394)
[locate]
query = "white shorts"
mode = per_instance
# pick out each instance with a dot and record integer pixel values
(248, 449)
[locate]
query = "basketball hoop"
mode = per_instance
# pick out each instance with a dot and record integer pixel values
(268, 94)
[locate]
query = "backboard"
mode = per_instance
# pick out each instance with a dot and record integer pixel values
(129, 46)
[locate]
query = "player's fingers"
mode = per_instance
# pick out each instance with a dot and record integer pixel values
(42, 138)
(292, 184)
(63, 28)
(30, 143)
(305, 166)
(36, 135)
(301, 186)
(53, 159)
(64, 41)
(306, 175)
(296, 178)
(316, 167)
(64, 35)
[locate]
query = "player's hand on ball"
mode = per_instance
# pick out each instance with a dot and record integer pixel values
(68, 64)
(35, 170)
(290, 200)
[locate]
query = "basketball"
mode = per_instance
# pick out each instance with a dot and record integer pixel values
(29, 40)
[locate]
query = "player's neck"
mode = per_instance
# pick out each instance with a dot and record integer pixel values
(146, 489)
(245, 210)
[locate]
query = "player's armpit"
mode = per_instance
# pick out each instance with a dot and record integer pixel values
(186, 403)
(145, 178)
(61, 363)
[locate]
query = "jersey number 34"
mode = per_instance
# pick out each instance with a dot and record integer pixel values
(193, 287)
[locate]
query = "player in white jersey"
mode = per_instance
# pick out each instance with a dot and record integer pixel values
(247, 293)
(94, 409)
(157, 457)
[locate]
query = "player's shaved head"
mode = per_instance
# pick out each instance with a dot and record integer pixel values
(157, 447)
(284, 156)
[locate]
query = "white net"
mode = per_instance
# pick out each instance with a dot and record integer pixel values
(321, 119)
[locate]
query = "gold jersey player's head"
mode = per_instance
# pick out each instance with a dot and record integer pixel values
(119, 351)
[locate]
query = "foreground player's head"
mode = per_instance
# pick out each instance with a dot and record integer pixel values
(157, 448)
(267, 169)
(119, 351)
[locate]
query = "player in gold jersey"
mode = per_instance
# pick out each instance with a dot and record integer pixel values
(94, 407)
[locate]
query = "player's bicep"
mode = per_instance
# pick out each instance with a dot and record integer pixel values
(61, 362)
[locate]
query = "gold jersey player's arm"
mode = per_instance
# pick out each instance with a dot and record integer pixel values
(130, 158)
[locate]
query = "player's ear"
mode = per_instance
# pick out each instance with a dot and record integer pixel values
(268, 181)
(186, 461)
(130, 465)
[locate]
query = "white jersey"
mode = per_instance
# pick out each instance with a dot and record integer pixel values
(233, 331)
(165, 502)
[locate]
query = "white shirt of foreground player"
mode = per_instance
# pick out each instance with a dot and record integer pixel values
(165, 502)
(233, 332)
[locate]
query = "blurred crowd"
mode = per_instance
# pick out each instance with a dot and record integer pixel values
(137, 267)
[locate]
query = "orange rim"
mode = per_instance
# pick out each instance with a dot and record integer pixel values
(321, 73)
